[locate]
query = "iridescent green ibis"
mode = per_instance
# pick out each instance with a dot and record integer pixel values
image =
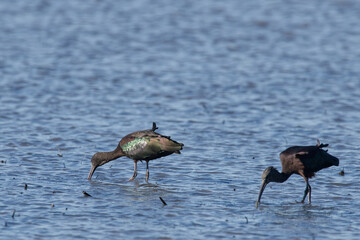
(141, 145)
(302, 160)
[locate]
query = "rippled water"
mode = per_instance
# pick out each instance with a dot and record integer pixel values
(236, 81)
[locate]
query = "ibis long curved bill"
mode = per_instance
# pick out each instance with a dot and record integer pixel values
(262, 188)
(92, 170)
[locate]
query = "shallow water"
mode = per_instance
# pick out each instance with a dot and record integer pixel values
(236, 81)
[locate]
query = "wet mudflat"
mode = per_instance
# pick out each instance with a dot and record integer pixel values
(236, 82)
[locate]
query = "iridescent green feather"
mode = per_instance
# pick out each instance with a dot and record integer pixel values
(134, 146)
(150, 146)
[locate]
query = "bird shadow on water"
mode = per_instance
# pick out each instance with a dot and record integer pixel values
(146, 185)
(132, 188)
(297, 210)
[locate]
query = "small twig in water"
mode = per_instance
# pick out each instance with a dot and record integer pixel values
(247, 221)
(86, 194)
(13, 215)
(25, 187)
(60, 153)
(162, 200)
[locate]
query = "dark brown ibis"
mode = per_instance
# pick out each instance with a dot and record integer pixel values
(302, 160)
(141, 145)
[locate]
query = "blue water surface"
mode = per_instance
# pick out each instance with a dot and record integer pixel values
(236, 81)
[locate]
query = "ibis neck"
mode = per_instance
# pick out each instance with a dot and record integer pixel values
(109, 156)
(280, 177)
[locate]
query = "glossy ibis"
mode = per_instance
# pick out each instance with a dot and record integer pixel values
(302, 160)
(142, 145)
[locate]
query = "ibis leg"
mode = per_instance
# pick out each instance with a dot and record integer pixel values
(135, 171)
(305, 193)
(147, 171)
(307, 190)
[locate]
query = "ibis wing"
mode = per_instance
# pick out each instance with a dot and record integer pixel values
(315, 159)
(148, 145)
(135, 148)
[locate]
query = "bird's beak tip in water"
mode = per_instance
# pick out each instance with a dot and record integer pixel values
(262, 188)
(92, 170)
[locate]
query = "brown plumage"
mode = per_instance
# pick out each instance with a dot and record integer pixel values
(141, 145)
(302, 160)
